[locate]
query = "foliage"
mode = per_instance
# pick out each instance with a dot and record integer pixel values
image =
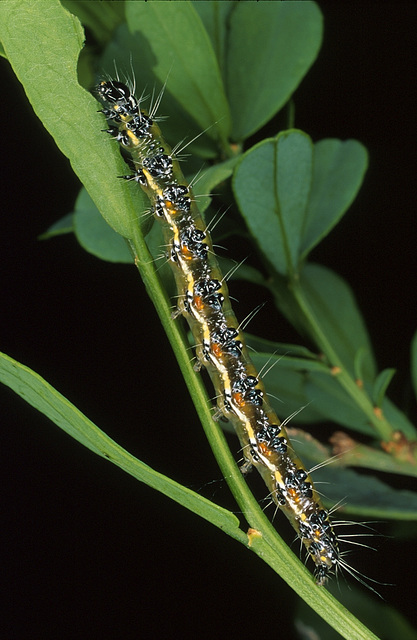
(228, 75)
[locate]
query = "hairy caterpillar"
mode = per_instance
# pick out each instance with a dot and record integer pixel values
(204, 301)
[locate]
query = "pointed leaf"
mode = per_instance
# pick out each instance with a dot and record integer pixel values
(381, 385)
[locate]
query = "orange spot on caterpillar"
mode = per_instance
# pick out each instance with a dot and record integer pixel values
(216, 350)
(294, 495)
(170, 206)
(359, 383)
(186, 253)
(198, 303)
(335, 371)
(239, 399)
(264, 449)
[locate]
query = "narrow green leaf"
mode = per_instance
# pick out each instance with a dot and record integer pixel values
(41, 395)
(94, 234)
(47, 67)
(178, 46)
(271, 47)
(381, 385)
(335, 311)
(339, 168)
(272, 184)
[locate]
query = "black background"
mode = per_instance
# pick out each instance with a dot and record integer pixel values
(88, 551)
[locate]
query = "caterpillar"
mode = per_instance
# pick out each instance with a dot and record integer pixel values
(203, 300)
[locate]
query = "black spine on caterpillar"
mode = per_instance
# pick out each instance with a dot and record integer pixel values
(204, 302)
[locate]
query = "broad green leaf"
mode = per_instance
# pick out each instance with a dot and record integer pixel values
(38, 393)
(292, 193)
(414, 362)
(271, 46)
(333, 310)
(47, 67)
(272, 184)
(339, 168)
(178, 47)
(381, 385)
(94, 234)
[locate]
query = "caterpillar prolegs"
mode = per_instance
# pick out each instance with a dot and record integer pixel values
(204, 301)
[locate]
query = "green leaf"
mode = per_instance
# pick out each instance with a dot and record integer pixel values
(272, 184)
(339, 168)
(61, 227)
(94, 234)
(292, 193)
(178, 47)
(47, 67)
(414, 362)
(381, 385)
(271, 47)
(337, 317)
(38, 393)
